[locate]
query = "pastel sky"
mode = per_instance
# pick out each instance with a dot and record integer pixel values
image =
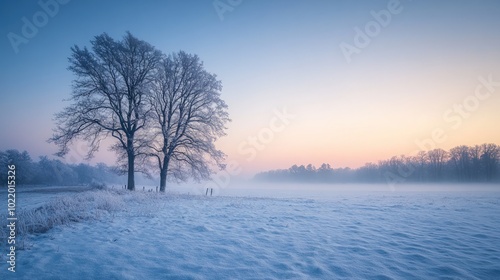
(340, 82)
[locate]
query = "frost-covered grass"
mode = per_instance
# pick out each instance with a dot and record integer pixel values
(382, 235)
(64, 210)
(71, 208)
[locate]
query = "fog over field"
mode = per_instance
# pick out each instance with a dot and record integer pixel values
(272, 231)
(234, 139)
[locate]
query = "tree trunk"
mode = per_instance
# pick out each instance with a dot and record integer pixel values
(163, 174)
(131, 181)
(163, 180)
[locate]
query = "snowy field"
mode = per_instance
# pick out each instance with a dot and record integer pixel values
(276, 234)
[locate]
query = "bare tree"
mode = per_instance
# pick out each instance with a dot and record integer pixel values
(476, 170)
(421, 161)
(437, 159)
(189, 116)
(109, 96)
(490, 157)
(460, 158)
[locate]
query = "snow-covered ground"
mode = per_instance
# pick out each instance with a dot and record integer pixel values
(390, 234)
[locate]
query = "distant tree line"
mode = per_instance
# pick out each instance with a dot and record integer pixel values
(478, 163)
(47, 171)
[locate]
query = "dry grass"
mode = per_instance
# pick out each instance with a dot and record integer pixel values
(90, 205)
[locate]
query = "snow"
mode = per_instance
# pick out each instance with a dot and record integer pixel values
(288, 235)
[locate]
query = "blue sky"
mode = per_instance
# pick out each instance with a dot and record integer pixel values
(272, 55)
